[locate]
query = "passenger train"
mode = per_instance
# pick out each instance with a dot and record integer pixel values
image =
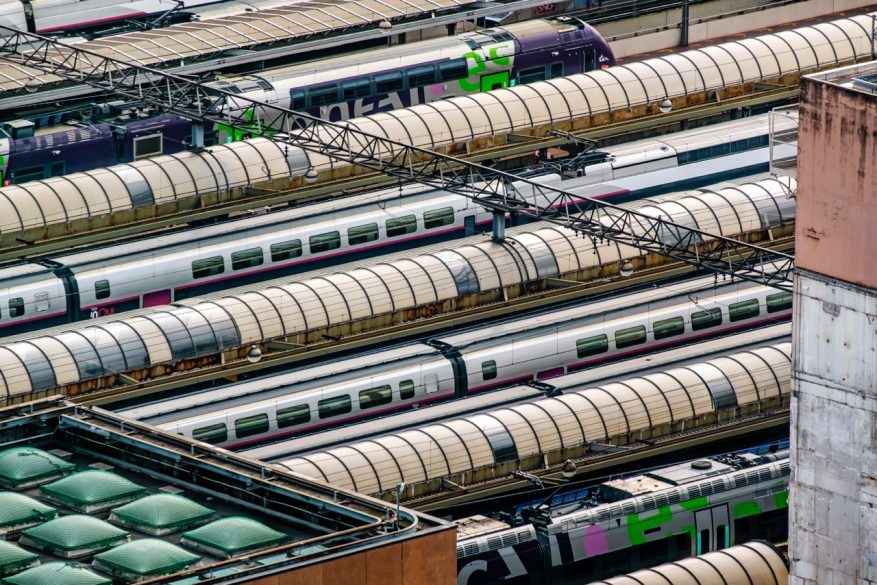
(632, 522)
(384, 79)
(360, 299)
(455, 366)
(369, 81)
(169, 268)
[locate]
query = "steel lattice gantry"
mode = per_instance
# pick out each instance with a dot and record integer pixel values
(591, 218)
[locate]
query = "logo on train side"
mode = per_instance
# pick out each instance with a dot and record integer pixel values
(102, 312)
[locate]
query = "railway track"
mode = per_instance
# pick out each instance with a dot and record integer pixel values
(256, 199)
(600, 463)
(279, 354)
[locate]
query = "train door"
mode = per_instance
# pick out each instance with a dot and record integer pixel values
(157, 298)
(494, 81)
(713, 529)
(590, 55)
(469, 225)
(430, 382)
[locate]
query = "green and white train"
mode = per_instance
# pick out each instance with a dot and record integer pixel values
(626, 524)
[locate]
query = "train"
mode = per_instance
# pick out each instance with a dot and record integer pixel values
(456, 366)
(41, 148)
(55, 16)
(662, 515)
(194, 333)
(168, 268)
(378, 80)
(598, 95)
(30, 154)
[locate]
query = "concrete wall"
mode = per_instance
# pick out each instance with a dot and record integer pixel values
(426, 560)
(624, 45)
(833, 531)
(836, 232)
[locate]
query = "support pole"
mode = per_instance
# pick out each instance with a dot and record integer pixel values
(685, 20)
(498, 225)
(197, 135)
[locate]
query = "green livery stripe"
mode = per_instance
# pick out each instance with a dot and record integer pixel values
(781, 500)
(636, 528)
(745, 509)
(695, 504)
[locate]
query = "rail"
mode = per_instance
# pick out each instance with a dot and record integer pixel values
(337, 141)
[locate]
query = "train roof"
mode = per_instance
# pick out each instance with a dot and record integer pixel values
(630, 303)
(405, 54)
(232, 230)
(19, 272)
(304, 378)
(667, 477)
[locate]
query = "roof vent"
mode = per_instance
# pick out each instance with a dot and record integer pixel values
(18, 511)
(57, 574)
(228, 537)
(14, 559)
(140, 559)
(74, 536)
(701, 464)
(92, 490)
(160, 514)
(23, 467)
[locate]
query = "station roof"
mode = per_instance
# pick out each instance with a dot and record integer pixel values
(193, 41)
(111, 510)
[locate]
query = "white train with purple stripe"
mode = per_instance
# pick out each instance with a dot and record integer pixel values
(455, 366)
(168, 268)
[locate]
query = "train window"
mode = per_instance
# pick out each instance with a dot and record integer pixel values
(325, 242)
(324, 95)
(723, 539)
(247, 258)
(285, 250)
(146, 146)
(56, 169)
(779, 302)
(453, 69)
(362, 233)
(41, 302)
(399, 226)
(298, 100)
(422, 75)
(16, 307)
(264, 84)
(630, 336)
(357, 88)
(592, 345)
(743, 310)
(330, 407)
(438, 217)
(406, 389)
(217, 433)
(294, 415)
(102, 289)
(251, 425)
(706, 319)
(680, 545)
(703, 541)
(208, 267)
(669, 327)
(488, 370)
(388, 82)
(532, 74)
(30, 174)
(556, 70)
(375, 396)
